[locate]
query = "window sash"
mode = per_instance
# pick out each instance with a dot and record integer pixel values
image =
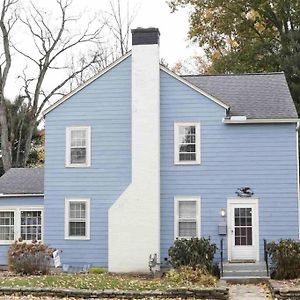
(184, 218)
(77, 219)
(76, 222)
(7, 231)
(187, 143)
(78, 140)
(31, 225)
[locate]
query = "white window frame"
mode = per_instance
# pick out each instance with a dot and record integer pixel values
(68, 147)
(177, 200)
(87, 218)
(17, 221)
(197, 143)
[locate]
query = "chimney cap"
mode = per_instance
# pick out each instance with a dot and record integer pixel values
(145, 36)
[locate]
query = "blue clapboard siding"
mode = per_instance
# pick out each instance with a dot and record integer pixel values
(260, 156)
(11, 202)
(105, 105)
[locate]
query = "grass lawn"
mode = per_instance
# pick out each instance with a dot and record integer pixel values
(87, 281)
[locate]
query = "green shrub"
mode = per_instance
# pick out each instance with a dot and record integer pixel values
(285, 256)
(97, 270)
(187, 275)
(193, 252)
(29, 258)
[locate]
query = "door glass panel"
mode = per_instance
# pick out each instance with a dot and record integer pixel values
(243, 226)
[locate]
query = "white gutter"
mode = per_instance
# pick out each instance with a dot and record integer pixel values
(258, 121)
(20, 195)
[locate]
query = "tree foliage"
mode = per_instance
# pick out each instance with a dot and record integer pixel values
(248, 36)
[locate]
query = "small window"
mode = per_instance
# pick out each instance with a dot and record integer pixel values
(7, 224)
(77, 219)
(187, 143)
(31, 225)
(187, 217)
(78, 146)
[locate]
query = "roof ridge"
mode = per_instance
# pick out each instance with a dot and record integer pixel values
(237, 74)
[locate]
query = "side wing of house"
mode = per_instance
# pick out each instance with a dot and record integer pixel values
(260, 156)
(20, 217)
(78, 196)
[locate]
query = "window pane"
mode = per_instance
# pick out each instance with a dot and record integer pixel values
(77, 210)
(76, 228)
(78, 155)
(187, 209)
(187, 156)
(78, 138)
(187, 229)
(187, 148)
(31, 225)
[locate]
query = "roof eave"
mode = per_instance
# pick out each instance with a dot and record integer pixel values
(261, 121)
(21, 195)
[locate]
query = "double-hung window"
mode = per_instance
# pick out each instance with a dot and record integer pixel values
(187, 143)
(7, 226)
(31, 225)
(21, 222)
(77, 219)
(78, 146)
(187, 217)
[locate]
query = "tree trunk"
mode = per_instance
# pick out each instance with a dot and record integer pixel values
(5, 143)
(28, 140)
(18, 162)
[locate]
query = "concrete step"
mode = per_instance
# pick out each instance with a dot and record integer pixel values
(245, 279)
(242, 271)
(244, 266)
(245, 273)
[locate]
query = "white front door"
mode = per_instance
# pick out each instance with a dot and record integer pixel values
(243, 241)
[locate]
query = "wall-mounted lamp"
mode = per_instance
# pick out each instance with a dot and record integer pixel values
(223, 212)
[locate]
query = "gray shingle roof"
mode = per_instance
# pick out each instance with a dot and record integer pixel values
(257, 96)
(22, 181)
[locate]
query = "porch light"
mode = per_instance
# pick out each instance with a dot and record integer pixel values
(223, 212)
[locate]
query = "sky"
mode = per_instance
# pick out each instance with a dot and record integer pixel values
(174, 43)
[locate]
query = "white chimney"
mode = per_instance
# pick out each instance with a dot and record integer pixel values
(134, 219)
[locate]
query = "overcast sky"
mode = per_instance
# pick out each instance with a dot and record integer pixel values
(156, 13)
(174, 44)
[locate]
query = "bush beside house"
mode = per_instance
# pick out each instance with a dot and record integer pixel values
(30, 258)
(285, 255)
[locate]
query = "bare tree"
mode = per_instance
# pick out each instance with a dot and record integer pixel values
(52, 45)
(119, 22)
(7, 21)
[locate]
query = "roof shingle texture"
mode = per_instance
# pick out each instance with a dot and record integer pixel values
(22, 181)
(257, 96)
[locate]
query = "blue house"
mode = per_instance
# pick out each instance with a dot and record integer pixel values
(138, 156)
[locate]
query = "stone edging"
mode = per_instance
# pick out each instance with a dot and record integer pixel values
(201, 293)
(283, 293)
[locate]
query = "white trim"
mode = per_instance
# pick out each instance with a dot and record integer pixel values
(178, 199)
(20, 195)
(214, 99)
(297, 170)
(68, 163)
(235, 200)
(197, 142)
(17, 220)
(254, 121)
(87, 218)
(66, 97)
